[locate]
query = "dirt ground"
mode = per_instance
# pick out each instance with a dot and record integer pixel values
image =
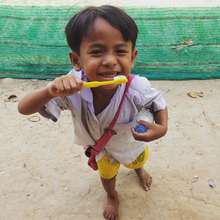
(44, 176)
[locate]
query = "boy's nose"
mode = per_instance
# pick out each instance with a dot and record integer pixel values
(109, 60)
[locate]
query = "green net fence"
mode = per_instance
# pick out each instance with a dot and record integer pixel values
(172, 43)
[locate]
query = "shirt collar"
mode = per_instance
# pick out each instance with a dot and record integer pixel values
(86, 93)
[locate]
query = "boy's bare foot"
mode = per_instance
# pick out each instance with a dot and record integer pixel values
(145, 178)
(111, 207)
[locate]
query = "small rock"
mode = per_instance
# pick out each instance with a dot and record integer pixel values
(195, 179)
(34, 118)
(66, 189)
(211, 183)
(12, 98)
(2, 172)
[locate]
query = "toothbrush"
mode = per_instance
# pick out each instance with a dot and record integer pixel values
(116, 80)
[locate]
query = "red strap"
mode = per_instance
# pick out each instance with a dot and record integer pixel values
(103, 140)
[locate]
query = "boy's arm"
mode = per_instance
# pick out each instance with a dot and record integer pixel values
(161, 119)
(34, 101)
(155, 130)
(61, 86)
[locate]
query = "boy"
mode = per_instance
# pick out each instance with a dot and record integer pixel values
(102, 40)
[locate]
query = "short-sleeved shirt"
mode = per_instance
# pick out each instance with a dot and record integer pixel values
(89, 127)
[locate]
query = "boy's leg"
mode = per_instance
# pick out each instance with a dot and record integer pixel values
(111, 207)
(108, 172)
(144, 177)
(137, 165)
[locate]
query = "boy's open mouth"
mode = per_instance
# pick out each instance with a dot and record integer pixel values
(107, 75)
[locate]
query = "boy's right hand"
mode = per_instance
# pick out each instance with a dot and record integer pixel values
(64, 86)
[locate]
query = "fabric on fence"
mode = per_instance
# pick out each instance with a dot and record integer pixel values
(172, 43)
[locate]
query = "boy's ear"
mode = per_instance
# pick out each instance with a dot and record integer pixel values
(74, 58)
(133, 56)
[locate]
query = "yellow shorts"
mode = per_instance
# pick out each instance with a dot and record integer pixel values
(108, 169)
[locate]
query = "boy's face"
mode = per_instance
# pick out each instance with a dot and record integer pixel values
(104, 54)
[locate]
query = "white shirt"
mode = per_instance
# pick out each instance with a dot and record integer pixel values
(89, 127)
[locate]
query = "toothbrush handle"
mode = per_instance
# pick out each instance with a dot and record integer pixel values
(97, 83)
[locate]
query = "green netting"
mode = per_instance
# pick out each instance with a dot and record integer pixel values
(172, 43)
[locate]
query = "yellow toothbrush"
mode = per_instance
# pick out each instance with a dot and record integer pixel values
(117, 80)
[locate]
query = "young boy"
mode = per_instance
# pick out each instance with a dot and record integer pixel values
(102, 40)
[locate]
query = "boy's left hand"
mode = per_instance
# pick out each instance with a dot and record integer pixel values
(154, 131)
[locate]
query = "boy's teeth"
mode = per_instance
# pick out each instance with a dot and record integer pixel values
(109, 75)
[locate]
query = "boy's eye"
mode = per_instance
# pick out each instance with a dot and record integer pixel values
(95, 52)
(121, 52)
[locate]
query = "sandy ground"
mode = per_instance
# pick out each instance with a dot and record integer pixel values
(44, 176)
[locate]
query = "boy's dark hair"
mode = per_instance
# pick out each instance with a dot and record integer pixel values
(81, 24)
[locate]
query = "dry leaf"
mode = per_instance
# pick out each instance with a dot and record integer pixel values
(194, 94)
